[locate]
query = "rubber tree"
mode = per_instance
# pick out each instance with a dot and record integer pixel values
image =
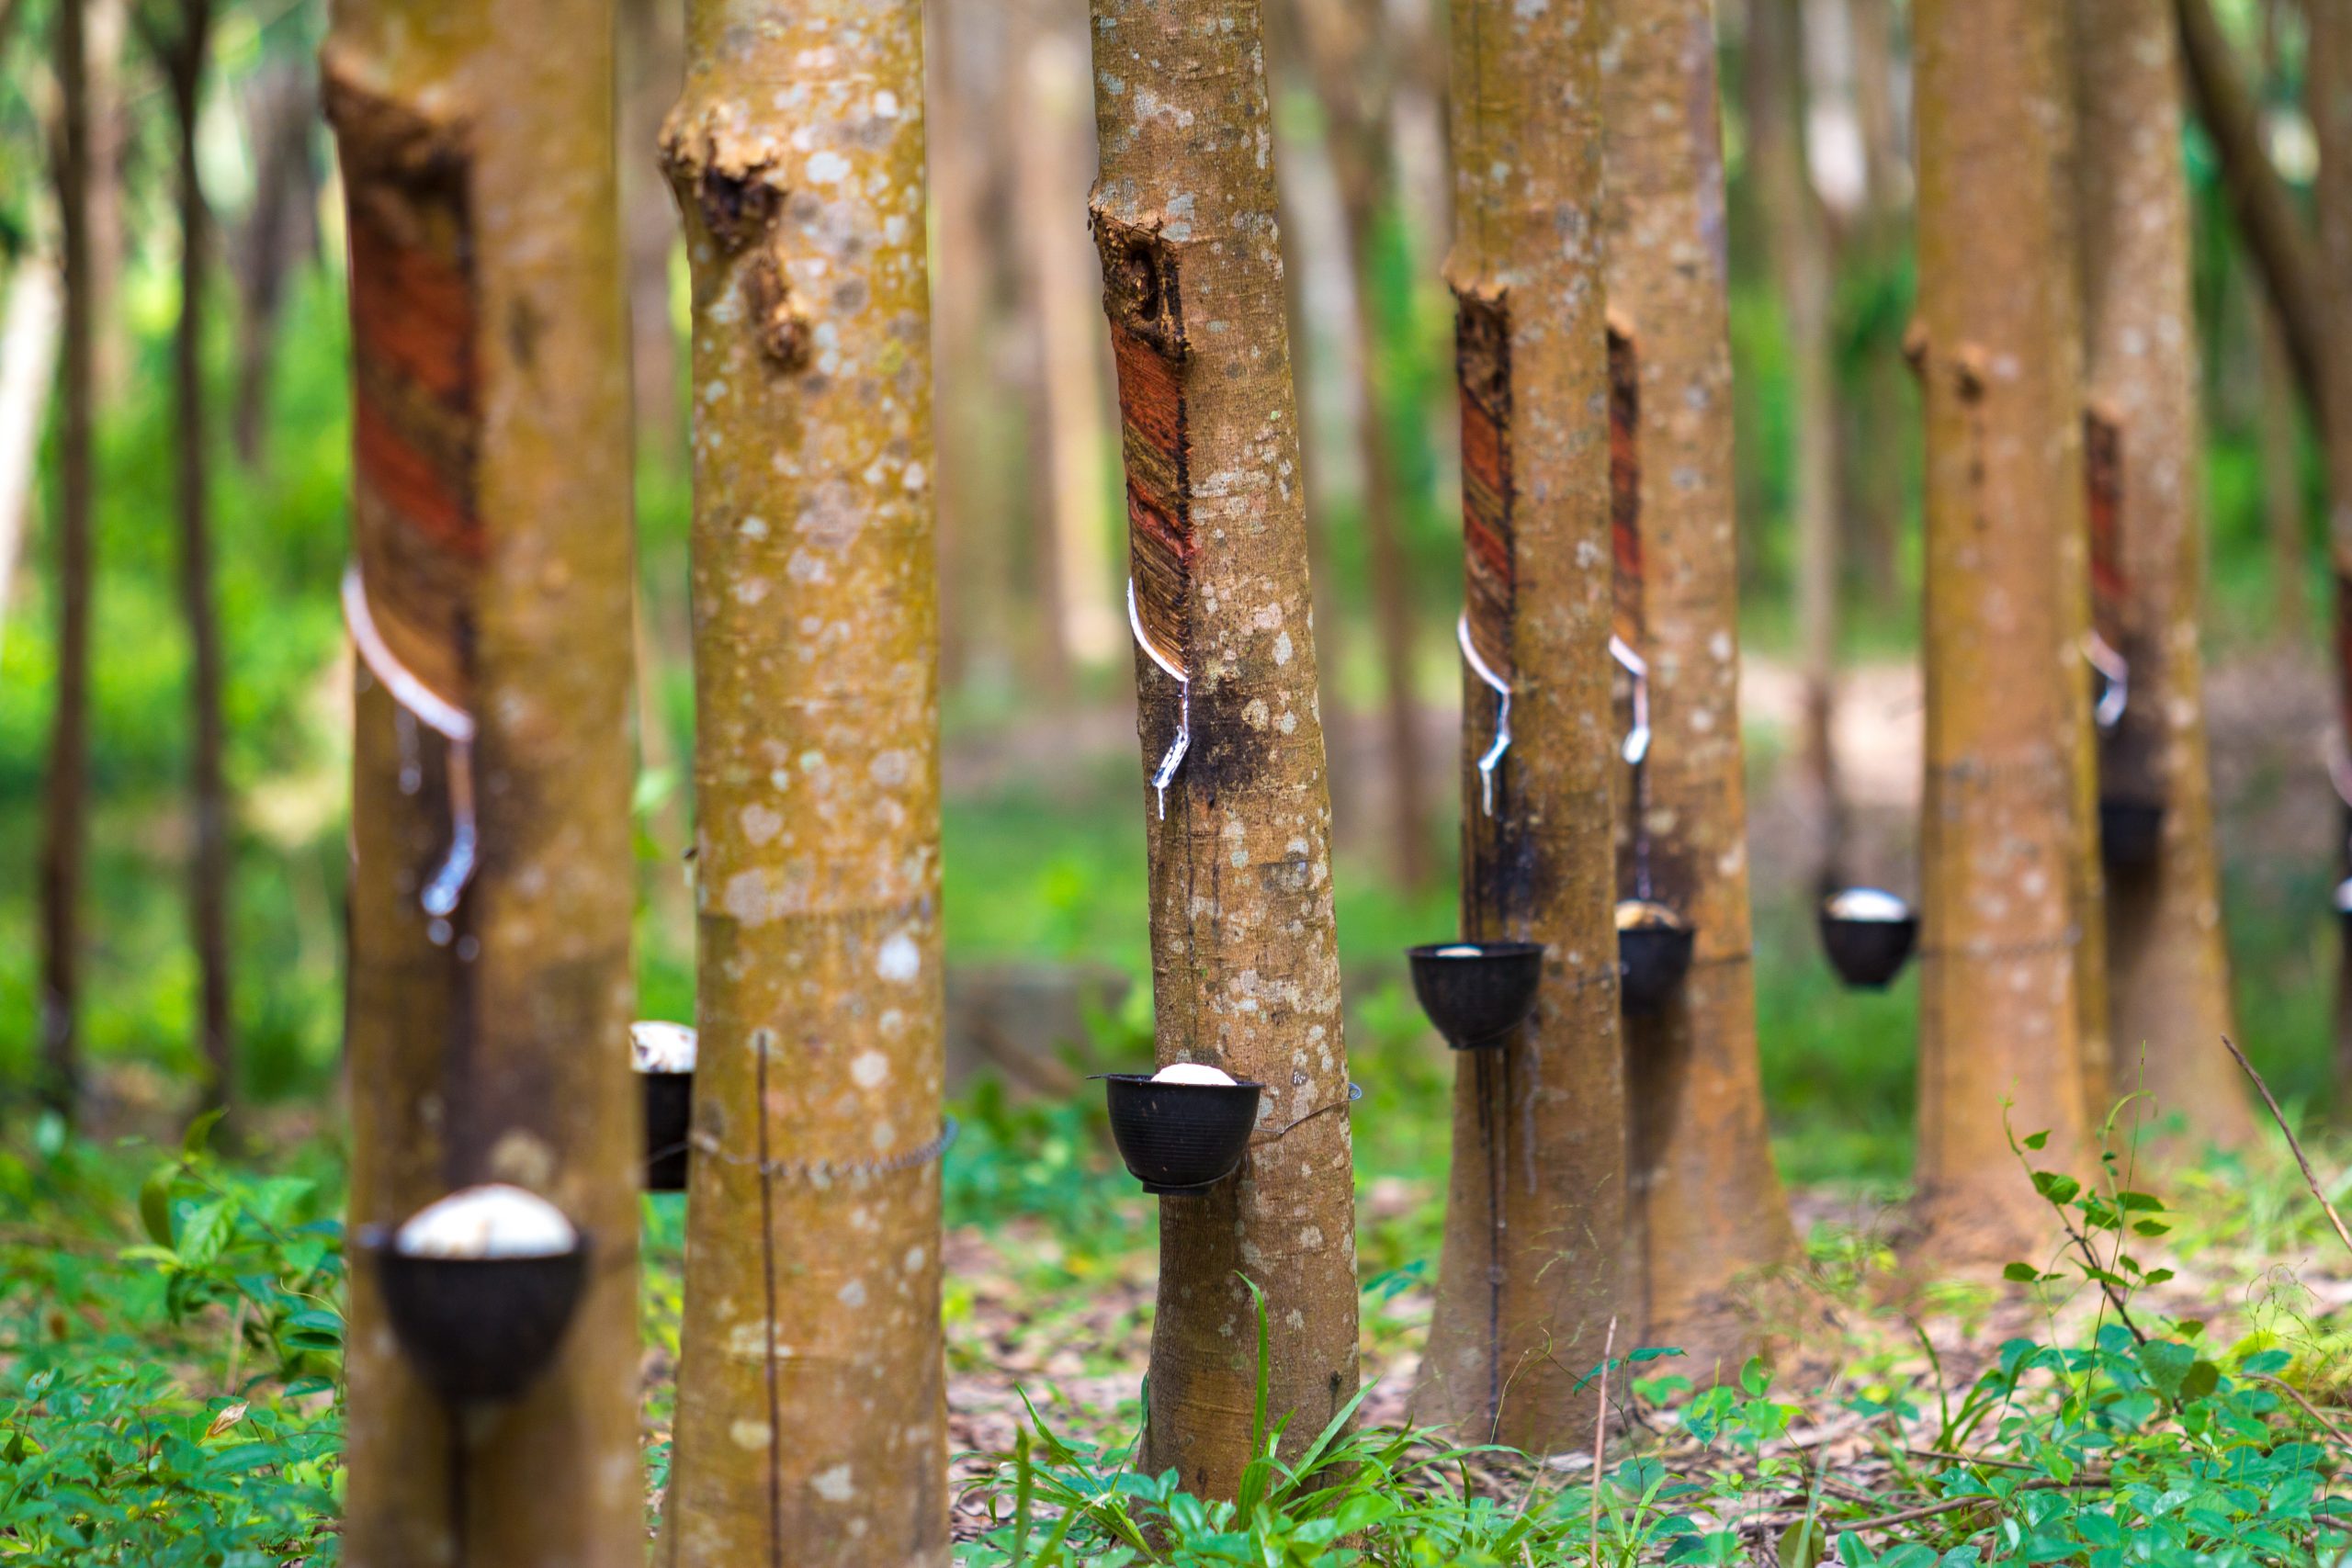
(2168, 992)
(180, 40)
(2308, 278)
(489, 597)
(812, 1424)
(1351, 59)
(2329, 90)
(1797, 237)
(2003, 972)
(1531, 1275)
(1244, 951)
(64, 824)
(1709, 1201)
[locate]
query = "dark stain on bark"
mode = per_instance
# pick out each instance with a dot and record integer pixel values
(1626, 479)
(783, 330)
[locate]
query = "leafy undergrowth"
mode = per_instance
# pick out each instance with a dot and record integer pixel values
(2162, 1387)
(2087, 1412)
(169, 1379)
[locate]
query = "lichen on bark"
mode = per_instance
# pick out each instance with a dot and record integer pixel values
(1245, 960)
(811, 1424)
(1531, 1274)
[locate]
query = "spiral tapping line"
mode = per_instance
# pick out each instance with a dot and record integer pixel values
(1174, 757)
(1502, 688)
(437, 713)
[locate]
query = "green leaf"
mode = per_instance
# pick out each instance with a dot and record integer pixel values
(199, 1131)
(1755, 1376)
(2167, 1365)
(2036, 1140)
(2022, 1273)
(2203, 1378)
(1803, 1544)
(156, 1204)
(2151, 1227)
(2056, 1186)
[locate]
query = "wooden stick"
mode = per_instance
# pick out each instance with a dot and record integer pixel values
(1600, 1433)
(2309, 1179)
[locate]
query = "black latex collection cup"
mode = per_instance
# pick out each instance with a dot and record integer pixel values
(1179, 1139)
(1869, 934)
(1654, 947)
(478, 1330)
(2131, 832)
(1475, 993)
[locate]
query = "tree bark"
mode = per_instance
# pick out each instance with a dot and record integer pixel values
(110, 131)
(2168, 991)
(2329, 87)
(63, 823)
(649, 71)
(2003, 968)
(1712, 1212)
(1353, 84)
(27, 370)
(2264, 209)
(280, 233)
(180, 48)
(2282, 483)
(1533, 1270)
(811, 1423)
(491, 522)
(1244, 957)
(1798, 238)
(1075, 411)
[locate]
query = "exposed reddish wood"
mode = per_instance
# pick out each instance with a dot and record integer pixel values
(1482, 372)
(1145, 299)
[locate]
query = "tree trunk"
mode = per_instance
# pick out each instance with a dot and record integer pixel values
(1799, 242)
(1075, 408)
(180, 48)
(2260, 200)
(27, 372)
(63, 821)
(2329, 85)
(2168, 991)
(280, 233)
(491, 522)
(1244, 957)
(110, 131)
(1886, 155)
(1711, 1210)
(2283, 477)
(650, 72)
(1532, 1270)
(811, 1423)
(1352, 83)
(2002, 980)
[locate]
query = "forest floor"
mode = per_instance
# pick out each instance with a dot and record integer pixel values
(120, 1319)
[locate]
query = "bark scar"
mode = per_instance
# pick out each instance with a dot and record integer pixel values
(730, 185)
(1482, 372)
(1142, 296)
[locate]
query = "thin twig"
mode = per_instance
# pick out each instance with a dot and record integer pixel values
(1966, 1459)
(2309, 1409)
(1600, 1432)
(1929, 1510)
(2309, 1180)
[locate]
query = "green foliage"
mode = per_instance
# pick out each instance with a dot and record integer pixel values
(2137, 1444)
(171, 1395)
